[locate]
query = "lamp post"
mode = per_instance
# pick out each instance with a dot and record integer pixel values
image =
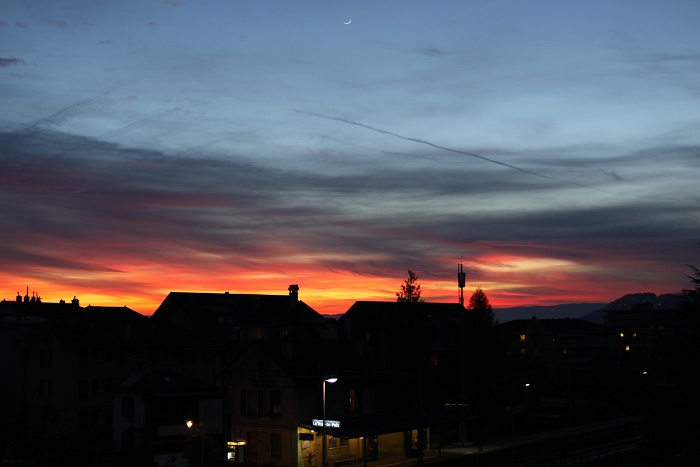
(527, 385)
(190, 424)
(328, 379)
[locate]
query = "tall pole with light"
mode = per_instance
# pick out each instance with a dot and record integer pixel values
(200, 433)
(461, 282)
(328, 379)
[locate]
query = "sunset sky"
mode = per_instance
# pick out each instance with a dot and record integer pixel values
(150, 146)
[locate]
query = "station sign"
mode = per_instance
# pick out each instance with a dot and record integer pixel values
(329, 423)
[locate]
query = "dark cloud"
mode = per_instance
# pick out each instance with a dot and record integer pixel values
(59, 23)
(80, 194)
(5, 62)
(431, 51)
(612, 174)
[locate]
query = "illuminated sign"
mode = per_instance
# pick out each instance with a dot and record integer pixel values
(329, 423)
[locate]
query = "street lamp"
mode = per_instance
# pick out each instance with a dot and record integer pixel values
(329, 379)
(525, 386)
(200, 432)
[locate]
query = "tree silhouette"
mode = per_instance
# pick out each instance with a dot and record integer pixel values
(410, 290)
(480, 306)
(691, 297)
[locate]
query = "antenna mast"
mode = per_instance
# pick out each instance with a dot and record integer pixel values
(461, 281)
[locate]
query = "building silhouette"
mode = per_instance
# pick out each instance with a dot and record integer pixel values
(238, 379)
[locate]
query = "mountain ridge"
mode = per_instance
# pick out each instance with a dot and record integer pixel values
(594, 312)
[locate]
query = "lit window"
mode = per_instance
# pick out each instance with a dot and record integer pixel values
(622, 334)
(522, 337)
(627, 348)
(522, 351)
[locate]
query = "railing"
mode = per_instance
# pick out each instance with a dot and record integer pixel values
(603, 453)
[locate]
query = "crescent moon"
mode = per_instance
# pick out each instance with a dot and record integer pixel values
(347, 22)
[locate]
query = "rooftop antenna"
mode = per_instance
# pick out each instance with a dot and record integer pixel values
(461, 281)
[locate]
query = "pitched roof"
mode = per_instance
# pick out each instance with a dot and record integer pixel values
(246, 309)
(401, 320)
(399, 313)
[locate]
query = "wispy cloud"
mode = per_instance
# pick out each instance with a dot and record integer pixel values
(5, 62)
(431, 51)
(59, 23)
(557, 158)
(62, 194)
(444, 148)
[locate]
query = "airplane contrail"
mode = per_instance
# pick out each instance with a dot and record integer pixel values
(65, 112)
(457, 151)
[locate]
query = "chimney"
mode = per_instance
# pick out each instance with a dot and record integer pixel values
(293, 294)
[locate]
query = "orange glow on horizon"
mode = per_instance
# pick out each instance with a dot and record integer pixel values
(330, 294)
(508, 281)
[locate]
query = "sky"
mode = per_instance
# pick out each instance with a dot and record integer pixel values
(150, 146)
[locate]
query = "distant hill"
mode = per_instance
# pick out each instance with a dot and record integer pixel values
(664, 301)
(593, 312)
(567, 310)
